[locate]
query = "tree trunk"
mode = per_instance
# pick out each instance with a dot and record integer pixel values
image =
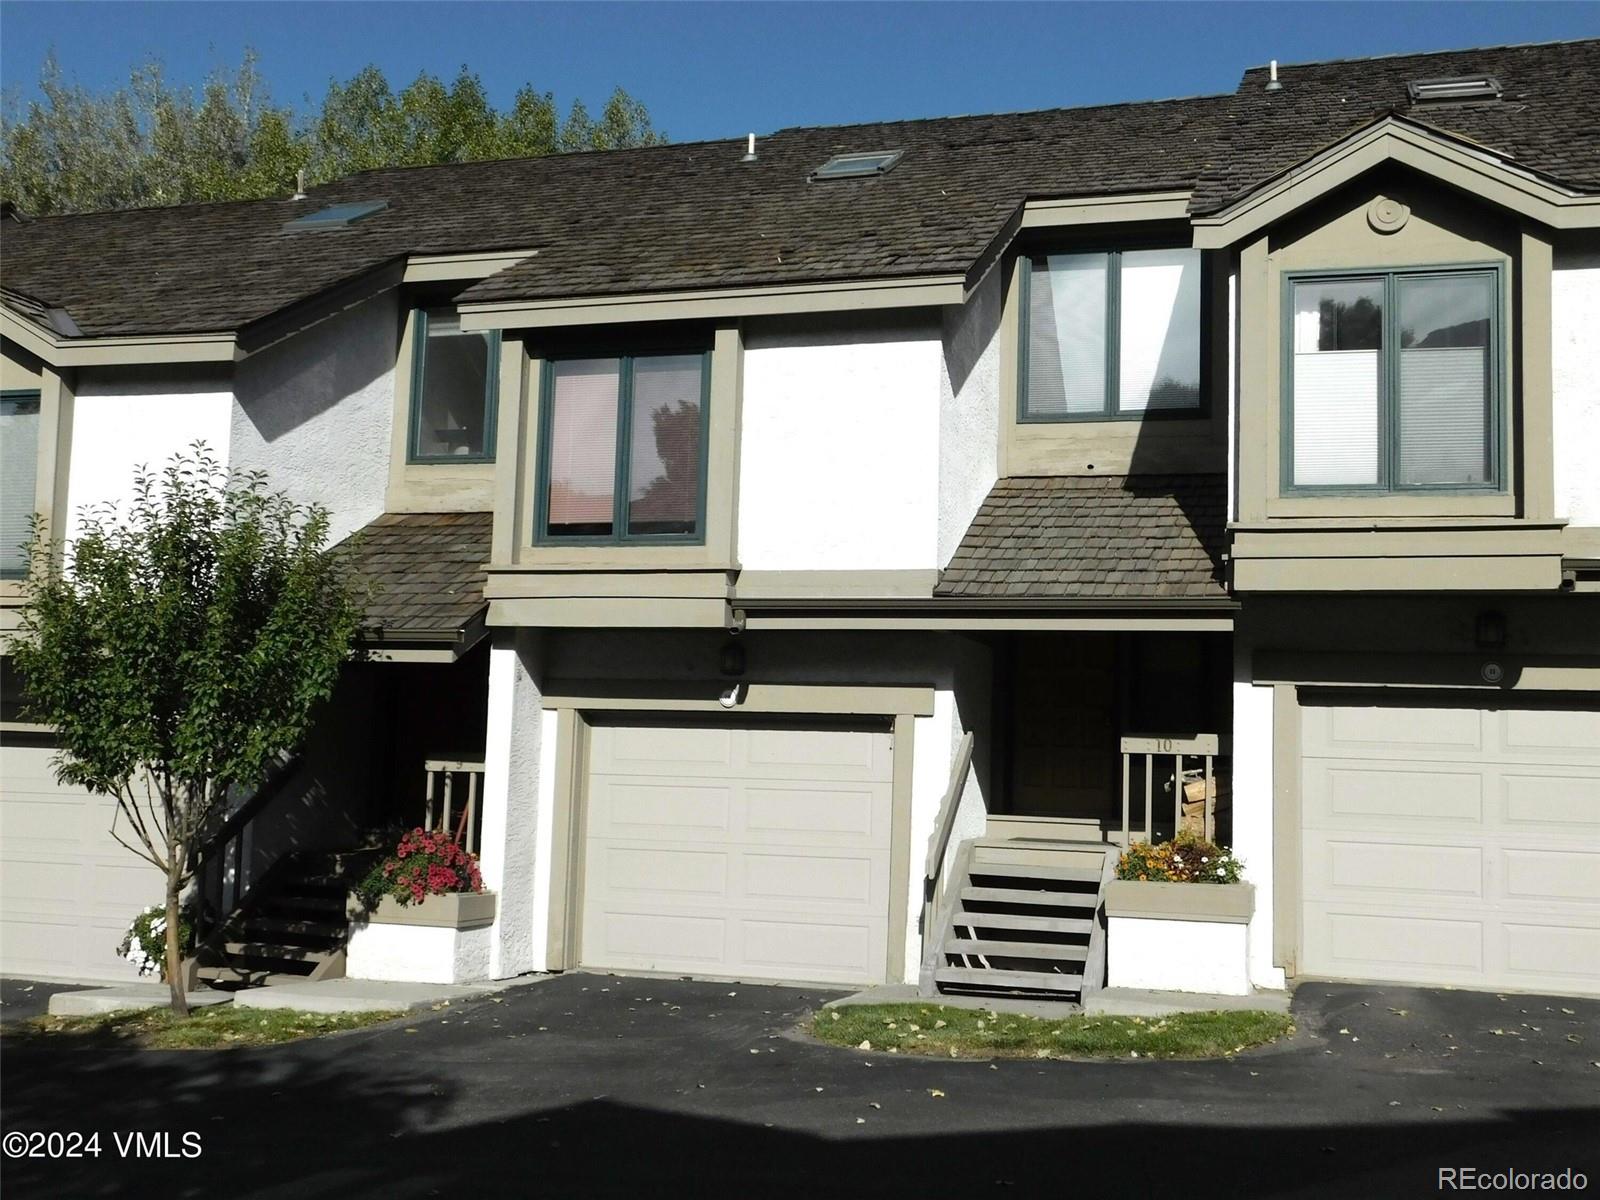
(180, 1002)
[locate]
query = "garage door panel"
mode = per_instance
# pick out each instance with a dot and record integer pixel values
(660, 871)
(789, 880)
(1552, 800)
(674, 809)
(1545, 951)
(639, 939)
(1483, 870)
(814, 879)
(645, 747)
(813, 813)
(787, 948)
(1359, 795)
(1552, 875)
(1550, 731)
(1368, 866)
(1373, 944)
(1374, 728)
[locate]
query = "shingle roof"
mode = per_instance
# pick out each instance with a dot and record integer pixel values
(426, 571)
(692, 215)
(1115, 538)
(1547, 119)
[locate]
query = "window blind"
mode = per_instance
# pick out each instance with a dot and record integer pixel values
(583, 446)
(19, 468)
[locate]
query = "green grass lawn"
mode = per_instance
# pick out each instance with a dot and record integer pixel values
(219, 1027)
(983, 1033)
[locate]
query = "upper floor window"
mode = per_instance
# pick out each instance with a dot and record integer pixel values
(453, 378)
(1111, 335)
(622, 449)
(19, 471)
(1393, 381)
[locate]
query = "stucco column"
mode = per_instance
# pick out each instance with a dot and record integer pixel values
(511, 794)
(1252, 813)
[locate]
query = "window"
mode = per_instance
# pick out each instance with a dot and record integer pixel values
(622, 449)
(1393, 381)
(1111, 335)
(19, 471)
(453, 378)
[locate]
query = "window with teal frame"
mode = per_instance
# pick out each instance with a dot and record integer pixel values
(1392, 381)
(454, 377)
(622, 449)
(19, 473)
(1110, 335)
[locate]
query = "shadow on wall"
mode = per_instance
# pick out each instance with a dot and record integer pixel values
(308, 1122)
(285, 386)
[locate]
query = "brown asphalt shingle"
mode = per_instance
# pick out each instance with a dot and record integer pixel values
(1547, 119)
(1109, 537)
(693, 215)
(425, 571)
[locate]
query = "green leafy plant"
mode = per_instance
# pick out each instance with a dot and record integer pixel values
(423, 864)
(1185, 859)
(178, 647)
(145, 943)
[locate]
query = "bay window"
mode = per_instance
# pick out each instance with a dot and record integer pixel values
(622, 449)
(1392, 381)
(1111, 335)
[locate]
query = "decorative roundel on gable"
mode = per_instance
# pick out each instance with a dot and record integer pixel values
(1388, 216)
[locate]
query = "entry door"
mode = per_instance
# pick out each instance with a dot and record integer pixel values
(742, 852)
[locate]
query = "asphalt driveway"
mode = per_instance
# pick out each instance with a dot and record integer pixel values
(591, 1086)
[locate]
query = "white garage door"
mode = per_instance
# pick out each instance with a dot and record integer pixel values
(746, 853)
(1452, 845)
(67, 889)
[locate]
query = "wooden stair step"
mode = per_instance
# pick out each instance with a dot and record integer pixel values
(307, 928)
(1069, 874)
(990, 895)
(1033, 981)
(989, 948)
(1022, 921)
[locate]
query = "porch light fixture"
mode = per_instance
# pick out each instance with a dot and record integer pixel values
(1459, 87)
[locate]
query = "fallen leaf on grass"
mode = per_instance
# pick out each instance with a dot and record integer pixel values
(935, 1093)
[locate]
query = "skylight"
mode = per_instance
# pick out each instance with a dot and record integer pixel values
(1460, 87)
(335, 216)
(853, 166)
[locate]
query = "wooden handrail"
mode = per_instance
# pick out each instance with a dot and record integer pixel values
(945, 821)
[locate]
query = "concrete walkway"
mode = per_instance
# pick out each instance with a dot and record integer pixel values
(121, 997)
(358, 995)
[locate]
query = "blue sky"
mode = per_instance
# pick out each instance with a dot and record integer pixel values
(715, 70)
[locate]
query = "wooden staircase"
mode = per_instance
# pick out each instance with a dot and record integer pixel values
(1021, 917)
(293, 927)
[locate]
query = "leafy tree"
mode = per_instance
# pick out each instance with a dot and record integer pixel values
(153, 143)
(178, 648)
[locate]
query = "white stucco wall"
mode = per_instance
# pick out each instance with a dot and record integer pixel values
(969, 411)
(515, 812)
(1252, 818)
(315, 412)
(417, 954)
(121, 423)
(1176, 956)
(1575, 302)
(840, 451)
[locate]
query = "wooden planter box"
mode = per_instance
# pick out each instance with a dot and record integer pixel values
(1179, 937)
(445, 939)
